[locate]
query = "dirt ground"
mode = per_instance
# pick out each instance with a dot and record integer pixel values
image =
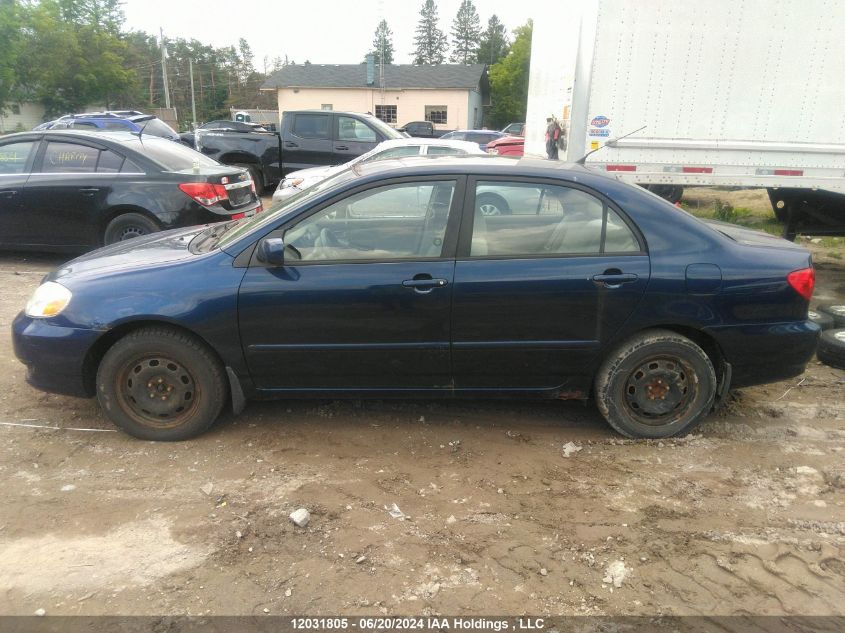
(745, 516)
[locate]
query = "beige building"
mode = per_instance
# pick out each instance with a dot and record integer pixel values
(452, 96)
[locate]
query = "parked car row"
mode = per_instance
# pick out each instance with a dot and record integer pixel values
(73, 191)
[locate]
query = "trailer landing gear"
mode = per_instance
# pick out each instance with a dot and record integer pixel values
(808, 211)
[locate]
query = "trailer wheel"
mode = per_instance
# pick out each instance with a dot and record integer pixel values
(671, 193)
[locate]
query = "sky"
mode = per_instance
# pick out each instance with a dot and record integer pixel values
(322, 32)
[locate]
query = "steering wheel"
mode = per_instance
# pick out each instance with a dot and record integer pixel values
(324, 244)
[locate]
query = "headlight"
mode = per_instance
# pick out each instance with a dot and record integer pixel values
(48, 300)
(290, 182)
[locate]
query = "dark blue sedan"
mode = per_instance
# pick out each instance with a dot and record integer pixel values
(388, 280)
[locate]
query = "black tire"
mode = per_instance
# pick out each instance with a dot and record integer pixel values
(831, 349)
(158, 383)
(127, 226)
(823, 320)
(671, 193)
(488, 204)
(256, 176)
(835, 311)
(634, 381)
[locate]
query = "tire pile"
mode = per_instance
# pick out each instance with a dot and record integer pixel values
(831, 319)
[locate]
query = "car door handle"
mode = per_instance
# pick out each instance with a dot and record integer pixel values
(424, 285)
(341, 148)
(9, 193)
(614, 280)
(290, 144)
(88, 191)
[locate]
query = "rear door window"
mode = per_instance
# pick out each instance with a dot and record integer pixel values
(311, 126)
(69, 158)
(14, 157)
(526, 219)
(444, 150)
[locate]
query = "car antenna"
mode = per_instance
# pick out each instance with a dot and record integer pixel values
(611, 142)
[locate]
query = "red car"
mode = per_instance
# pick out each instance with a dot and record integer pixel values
(507, 146)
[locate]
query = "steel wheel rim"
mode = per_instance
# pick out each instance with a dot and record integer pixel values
(660, 390)
(157, 391)
(131, 232)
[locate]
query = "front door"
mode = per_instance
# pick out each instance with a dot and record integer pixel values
(545, 275)
(363, 299)
(15, 163)
(352, 138)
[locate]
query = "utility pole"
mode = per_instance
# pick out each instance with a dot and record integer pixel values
(193, 102)
(164, 70)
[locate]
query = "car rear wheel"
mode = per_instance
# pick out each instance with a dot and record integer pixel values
(161, 384)
(492, 204)
(655, 385)
(127, 226)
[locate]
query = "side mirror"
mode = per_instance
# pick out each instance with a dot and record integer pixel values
(271, 251)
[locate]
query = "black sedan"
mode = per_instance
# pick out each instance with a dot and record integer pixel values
(388, 280)
(73, 191)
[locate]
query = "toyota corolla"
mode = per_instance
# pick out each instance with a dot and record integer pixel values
(389, 280)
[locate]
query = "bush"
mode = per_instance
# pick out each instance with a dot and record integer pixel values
(724, 211)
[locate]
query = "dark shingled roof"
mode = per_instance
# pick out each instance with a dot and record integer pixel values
(395, 76)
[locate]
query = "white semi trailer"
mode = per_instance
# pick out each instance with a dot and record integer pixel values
(747, 93)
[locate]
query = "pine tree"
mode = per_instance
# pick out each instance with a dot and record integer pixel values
(466, 33)
(383, 40)
(430, 42)
(494, 42)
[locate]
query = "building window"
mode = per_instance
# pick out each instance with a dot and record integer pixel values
(16, 109)
(436, 114)
(326, 106)
(386, 113)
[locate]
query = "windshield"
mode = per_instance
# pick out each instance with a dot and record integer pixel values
(384, 128)
(275, 211)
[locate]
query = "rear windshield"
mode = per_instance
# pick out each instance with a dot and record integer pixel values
(157, 127)
(171, 155)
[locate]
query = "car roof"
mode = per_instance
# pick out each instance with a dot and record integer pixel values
(124, 138)
(475, 164)
(448, 142)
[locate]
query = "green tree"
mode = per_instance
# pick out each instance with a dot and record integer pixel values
(509, 80)
(494, 43)
(68, 60)
(430, 43)
(466, 33)
(11, 22)
(383, 41)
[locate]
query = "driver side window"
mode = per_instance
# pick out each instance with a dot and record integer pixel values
(401, 221)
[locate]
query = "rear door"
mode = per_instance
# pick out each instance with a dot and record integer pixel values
(16, 158)
(352, 137)
(67, 192)
(308, 141)
(540, 288)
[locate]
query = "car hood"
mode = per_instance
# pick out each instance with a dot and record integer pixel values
(141, 252)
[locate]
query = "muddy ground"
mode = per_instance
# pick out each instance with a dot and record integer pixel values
(745, 516)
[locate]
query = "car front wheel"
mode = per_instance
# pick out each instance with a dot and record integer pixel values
(161, 384)
(655, 385)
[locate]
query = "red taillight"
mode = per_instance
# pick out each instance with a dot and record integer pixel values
(803, 281)
(206, 193)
